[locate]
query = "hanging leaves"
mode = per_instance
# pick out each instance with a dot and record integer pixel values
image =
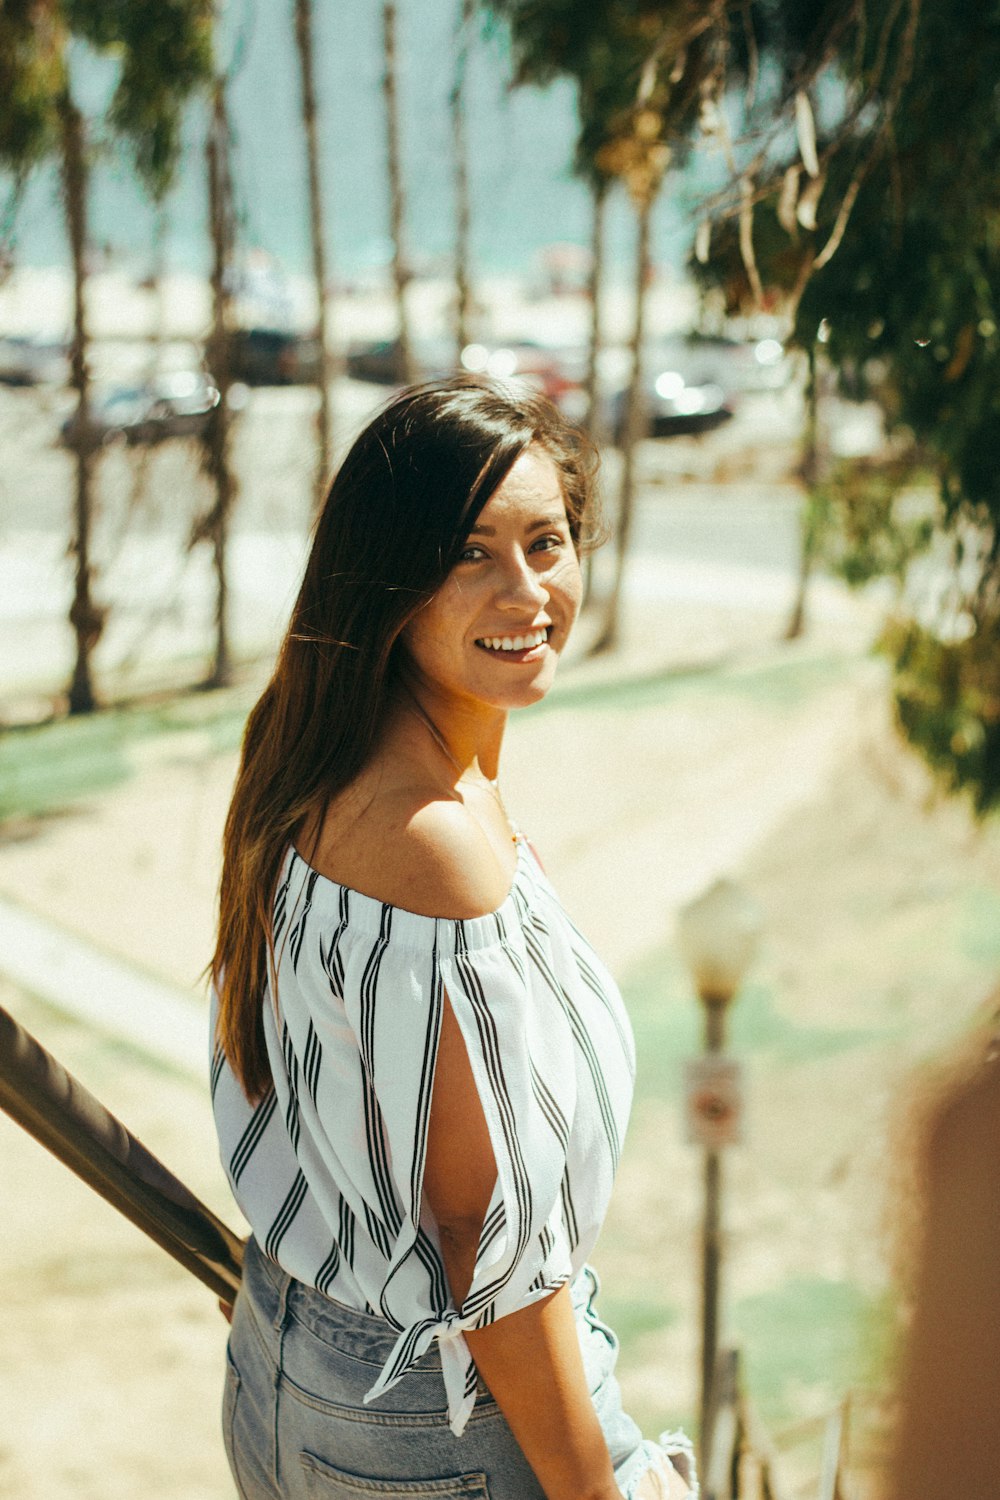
(746, 241)
(808, 204)
(805, 129)
(32, 39)
(638, 67)
(165, 52)
(788, 200)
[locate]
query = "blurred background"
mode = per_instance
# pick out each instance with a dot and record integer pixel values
(753, 251)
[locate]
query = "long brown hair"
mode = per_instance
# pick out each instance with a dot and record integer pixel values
(396, 517)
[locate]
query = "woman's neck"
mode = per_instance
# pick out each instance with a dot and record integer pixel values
(467, 735)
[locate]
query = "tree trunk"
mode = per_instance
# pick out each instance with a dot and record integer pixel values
(400, 268)
(809, 471)
(86, 617)
(463, 277)
(218, 431)
(157, 290)
(593, 420)
(634, 421)
(594, 414)
(324, 419)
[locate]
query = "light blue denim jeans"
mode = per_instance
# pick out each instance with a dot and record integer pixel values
(296, 1426)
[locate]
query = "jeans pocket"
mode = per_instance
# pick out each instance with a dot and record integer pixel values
(324, 1482)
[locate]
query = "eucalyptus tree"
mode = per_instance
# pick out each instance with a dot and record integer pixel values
(464, 300)
(642, 70)
(811, 142)
(217, 436)
(164, 52)
(397, 205)
(890, 237)
(304, 41)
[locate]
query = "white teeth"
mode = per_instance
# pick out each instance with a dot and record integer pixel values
(516, 642)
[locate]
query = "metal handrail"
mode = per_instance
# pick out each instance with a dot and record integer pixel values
(55, 1108)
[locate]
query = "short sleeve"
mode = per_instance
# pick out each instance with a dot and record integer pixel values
(520, 1046)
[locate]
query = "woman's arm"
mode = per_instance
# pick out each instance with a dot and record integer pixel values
(439, 861)
(530, 1359)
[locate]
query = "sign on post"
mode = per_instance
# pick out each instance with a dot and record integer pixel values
(713, 1092)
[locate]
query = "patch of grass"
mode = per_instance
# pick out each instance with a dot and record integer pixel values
(632, 1318)
(44, 769)
(51, 766)
(978, 934)
(668, 1024)
(666, 1020)
(782, 684)
(788, 683)
(758, 1025)
(810, 1333)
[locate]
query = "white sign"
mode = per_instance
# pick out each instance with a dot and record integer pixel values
(713, 1096)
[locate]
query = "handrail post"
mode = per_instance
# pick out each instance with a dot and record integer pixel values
(54, 1107)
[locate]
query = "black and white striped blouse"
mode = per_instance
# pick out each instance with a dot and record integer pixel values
(328, 1166)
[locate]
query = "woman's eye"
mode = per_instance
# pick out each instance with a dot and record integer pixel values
(547, 543)
(471, 554)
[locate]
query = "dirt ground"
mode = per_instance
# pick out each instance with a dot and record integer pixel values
(640, 783)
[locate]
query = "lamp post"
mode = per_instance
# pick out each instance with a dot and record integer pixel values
(717, 936)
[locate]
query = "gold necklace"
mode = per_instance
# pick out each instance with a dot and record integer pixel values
(491, 783)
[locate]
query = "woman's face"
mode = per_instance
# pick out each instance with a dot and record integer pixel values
(495, 628)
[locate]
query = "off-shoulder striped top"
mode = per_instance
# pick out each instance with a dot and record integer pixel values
(328, 1166)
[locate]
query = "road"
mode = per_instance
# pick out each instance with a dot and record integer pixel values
(729, 541)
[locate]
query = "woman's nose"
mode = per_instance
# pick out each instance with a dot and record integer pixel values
(520, 585)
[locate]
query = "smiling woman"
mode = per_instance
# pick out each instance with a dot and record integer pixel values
(422, 1071)
(511, 597)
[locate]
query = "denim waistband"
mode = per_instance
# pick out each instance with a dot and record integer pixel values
(365, 1335)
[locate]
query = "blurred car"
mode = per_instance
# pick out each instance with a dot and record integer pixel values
(177, 404)
(692, 381)
(30, 361)
(555, 371)
(740, 366)
(671, 407)
(273, 356)
(379, 361)
(552, 371)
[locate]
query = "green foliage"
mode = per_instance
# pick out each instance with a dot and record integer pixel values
(947, 696)
(166, 54)
(639, 67)
(903, 266)
(812, 1334)
(31, 77)
(866, 520)
(165, 51)
(165, 47)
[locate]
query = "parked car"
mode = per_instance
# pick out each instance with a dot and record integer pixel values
(550, 370)
(378, 361)
(554, 371)
(673, 407)
(30, 361)
(170, 405)
(273, 356)
(739, 366)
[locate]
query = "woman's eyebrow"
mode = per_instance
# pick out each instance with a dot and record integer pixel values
(552, 520)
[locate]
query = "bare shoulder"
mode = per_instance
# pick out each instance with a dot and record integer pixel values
(426, 854)
(445, 862)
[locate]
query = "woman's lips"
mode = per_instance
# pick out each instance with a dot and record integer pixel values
(506, 648)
